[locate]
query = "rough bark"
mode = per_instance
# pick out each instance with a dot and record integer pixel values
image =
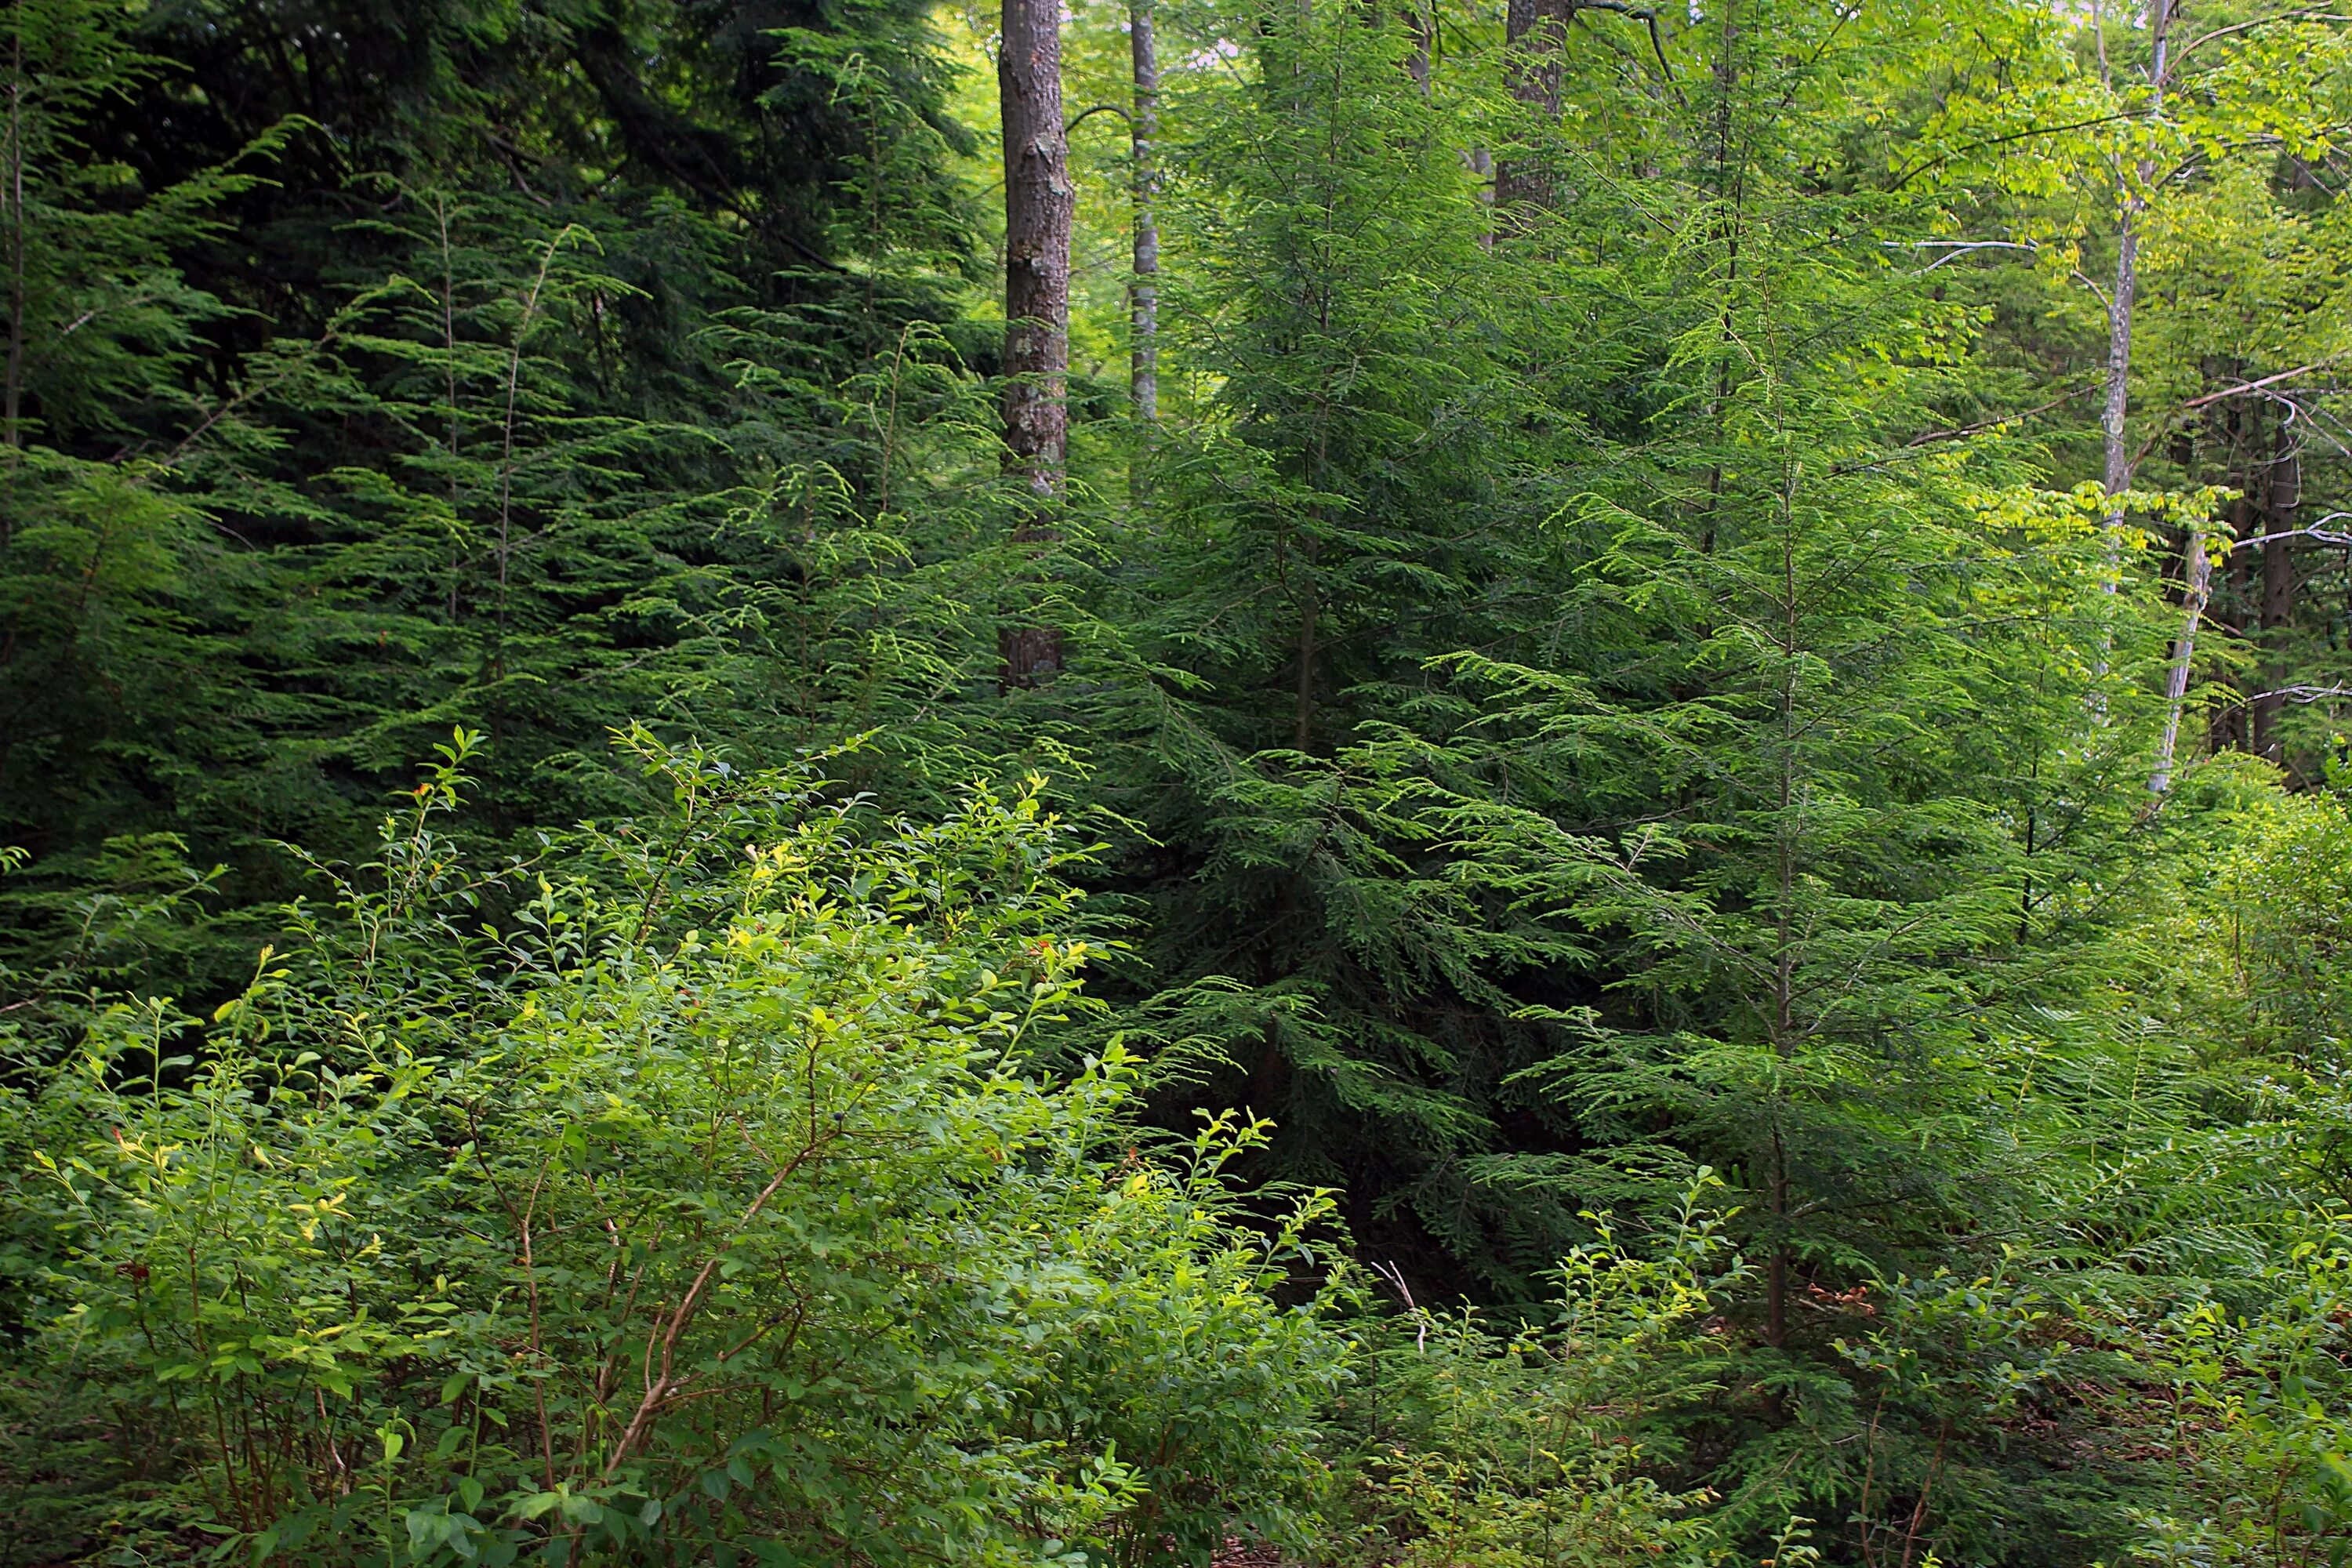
(2119, 336)
(1535, 34)
(1039, 201)
(2284, 495)
(2131, 200)
(1143, 298)
(1421, 25)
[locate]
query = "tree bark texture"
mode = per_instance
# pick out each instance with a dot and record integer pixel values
(1420, 25)
(2119, 343)
(1039, 201)
(1143, 298)
(2284, 496)
(1534, 37)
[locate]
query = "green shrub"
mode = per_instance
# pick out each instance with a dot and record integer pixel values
(1471, 1447)
(579, 1236)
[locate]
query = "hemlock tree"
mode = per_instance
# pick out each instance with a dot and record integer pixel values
(1039, 201)
(1804, 751)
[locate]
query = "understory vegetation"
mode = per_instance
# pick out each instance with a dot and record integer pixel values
(1590, 806)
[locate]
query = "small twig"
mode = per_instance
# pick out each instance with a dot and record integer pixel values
(1395, 1275)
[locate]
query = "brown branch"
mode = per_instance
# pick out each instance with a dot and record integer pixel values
(659, 1388)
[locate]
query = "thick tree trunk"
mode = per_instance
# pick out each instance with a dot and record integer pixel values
(2284, 495)
(1535, 35)
(1038, 203)
(1143, 299)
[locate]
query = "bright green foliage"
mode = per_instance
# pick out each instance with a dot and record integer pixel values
(759, 1236)
(2285, 959)
(1539, 1445)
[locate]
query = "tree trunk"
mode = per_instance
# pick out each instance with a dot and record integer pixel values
(1421, 22)
(2228, 732)
(2197, 585)
(2277, 606)
(2132, 201)
(1535, 41)
(1143, 299)
(1039, 201)
(2120, 342)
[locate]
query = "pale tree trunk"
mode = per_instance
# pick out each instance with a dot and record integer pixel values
(2131, 193)
(2132, 201)
(2277, 606)
(2119, 343)
(1143, 299)
(2197, 586)
(1039, 201)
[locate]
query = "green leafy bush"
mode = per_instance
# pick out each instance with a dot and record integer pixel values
(1473, 1446)
(574, 1233)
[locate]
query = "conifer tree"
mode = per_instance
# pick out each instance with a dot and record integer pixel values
(1039, 201)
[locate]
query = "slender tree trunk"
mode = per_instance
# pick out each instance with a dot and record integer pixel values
(1143, 299)
(11, 398)
(2112, 427)
(1039, 201)
(2132, 201)
(2229, 730)
(1535, 40)
(2197, 585)
(2277, 606)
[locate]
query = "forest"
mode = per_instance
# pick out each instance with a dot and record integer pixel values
(1354, 784)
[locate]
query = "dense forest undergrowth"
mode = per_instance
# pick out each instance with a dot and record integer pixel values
(1463, 787)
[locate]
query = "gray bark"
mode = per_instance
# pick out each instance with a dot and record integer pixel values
(1039, 201)
(1535, 40)
(1143, 300)
(2197, 580)
(2277, 604)
(2120, 304)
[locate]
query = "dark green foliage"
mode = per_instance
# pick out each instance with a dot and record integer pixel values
(1622, 724)
(1339, 514)
(453, 440)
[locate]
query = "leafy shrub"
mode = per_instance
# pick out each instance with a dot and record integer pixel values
(1475, 1447)
(575, 1234)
